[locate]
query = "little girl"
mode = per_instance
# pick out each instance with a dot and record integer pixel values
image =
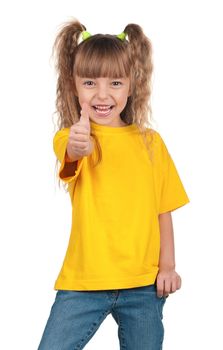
(123, 185)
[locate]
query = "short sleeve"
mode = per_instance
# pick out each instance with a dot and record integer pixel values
(60, 141)
(172, 192)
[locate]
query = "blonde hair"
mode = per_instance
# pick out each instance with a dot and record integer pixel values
(104, 55)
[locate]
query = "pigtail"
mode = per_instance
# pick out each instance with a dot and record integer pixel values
(140, 49)
(64, 50)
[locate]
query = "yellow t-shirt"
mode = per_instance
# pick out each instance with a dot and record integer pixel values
(115, 239)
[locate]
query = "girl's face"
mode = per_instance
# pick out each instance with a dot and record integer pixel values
(106, 98)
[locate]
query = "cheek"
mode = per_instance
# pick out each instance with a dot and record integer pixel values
(85, 95)
(124, 97)
(82, 97)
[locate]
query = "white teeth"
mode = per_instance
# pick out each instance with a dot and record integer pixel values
(102, 107)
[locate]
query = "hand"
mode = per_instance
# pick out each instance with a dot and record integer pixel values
(168, 281)
(80, 143)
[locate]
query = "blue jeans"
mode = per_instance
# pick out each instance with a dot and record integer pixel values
(75, 316)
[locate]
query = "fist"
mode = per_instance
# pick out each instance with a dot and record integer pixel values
(80, 143)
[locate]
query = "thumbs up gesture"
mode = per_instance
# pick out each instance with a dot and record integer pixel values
(84, 119)
(80, 143)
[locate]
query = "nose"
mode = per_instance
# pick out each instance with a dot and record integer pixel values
(102, 91)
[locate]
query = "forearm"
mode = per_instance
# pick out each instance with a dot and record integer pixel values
(167, 254)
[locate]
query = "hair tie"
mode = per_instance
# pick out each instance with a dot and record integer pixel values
(121, 36)
(86, 35)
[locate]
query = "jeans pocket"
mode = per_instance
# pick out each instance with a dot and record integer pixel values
(164, 297)
(161, 304)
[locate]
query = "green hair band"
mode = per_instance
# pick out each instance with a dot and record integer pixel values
(86, 35)
(121, 36)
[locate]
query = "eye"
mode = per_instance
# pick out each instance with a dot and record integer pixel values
(117, 83)
(88, 82)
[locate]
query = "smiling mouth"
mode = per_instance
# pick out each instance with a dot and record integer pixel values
(103, 110)
(102, 107)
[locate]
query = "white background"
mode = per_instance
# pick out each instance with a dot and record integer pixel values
(36, 214)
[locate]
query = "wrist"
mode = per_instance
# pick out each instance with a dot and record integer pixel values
(68, 159)
(163, 266)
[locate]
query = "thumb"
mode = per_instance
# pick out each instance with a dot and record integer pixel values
(84, 114)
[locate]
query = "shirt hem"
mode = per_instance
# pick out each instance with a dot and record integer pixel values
(137, 281)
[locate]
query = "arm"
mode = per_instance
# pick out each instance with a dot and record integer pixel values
(168, 280)
(71, 159)
(167, 256)
(70, 166)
